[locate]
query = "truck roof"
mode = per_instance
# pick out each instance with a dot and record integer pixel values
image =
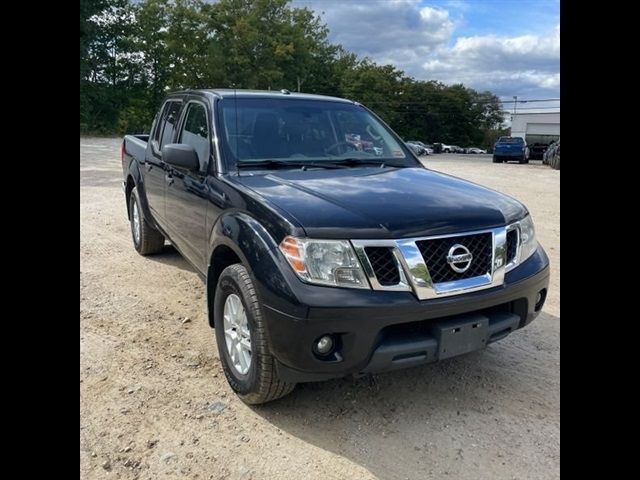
(230, 92)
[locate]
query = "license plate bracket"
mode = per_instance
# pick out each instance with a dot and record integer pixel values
(461, 335)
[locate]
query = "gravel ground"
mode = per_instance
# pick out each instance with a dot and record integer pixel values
(154, 402)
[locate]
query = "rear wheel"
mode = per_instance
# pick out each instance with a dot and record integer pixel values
(242, 339)
(496, 159)
(146, 239)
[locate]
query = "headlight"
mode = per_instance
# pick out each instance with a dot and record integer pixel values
(528, 242)
(325, 262)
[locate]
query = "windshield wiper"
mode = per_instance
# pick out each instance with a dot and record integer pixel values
(355, 161)
(272, 163)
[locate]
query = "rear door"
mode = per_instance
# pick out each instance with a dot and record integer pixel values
(186, 195)
(155, 168)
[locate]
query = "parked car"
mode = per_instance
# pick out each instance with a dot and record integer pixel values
(510, 148)
(550, 151)
(446, 148)
(321, 260)
(536, 151)
(554, 158)
(457, 149)
(426, 149)
(429, 148)
(417, 149)
(475, 150)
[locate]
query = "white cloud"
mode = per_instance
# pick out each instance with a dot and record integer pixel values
(400, 32)
(491, 51)
(421, 41)
(518, 64)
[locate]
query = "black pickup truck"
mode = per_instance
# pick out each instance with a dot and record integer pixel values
(327, 248)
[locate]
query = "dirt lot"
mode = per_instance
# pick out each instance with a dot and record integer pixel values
(154, 402)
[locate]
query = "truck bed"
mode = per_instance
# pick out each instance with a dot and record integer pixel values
(134, 147)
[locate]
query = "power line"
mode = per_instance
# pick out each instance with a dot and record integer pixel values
(442, 99)
(444, 109)
(536, 108)
(531, 101)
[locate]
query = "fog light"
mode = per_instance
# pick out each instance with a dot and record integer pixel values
(324, 345)
(540, 298)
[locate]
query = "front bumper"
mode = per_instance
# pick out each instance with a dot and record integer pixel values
(382, 330)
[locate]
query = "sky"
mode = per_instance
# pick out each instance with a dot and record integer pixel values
(510, 47)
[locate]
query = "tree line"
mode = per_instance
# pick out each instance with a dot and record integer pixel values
(132, 54)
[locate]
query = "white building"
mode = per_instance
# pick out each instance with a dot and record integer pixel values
(536, 127)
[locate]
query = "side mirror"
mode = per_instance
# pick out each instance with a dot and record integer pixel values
(181, 155)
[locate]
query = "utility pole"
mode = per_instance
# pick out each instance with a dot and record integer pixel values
(515, 104)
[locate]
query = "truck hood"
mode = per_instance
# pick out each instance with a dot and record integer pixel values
(382, 202)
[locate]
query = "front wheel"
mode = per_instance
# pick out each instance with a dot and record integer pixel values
(242, 339)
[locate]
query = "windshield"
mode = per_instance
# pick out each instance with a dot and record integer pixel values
(510, 140)
(259, 129)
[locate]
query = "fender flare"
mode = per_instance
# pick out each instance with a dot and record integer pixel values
(257, 250)
(134, 173)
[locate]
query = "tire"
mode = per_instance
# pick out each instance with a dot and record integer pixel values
(260, 383)
(523, 159)
(555, 162)
(496, 160)
(148, 240)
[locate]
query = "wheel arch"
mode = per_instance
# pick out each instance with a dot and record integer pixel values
(238, 237)
(135, 180)
(130, 184)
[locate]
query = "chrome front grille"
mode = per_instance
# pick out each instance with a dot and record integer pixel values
(384, 265)
(420, 264)
(434, 252)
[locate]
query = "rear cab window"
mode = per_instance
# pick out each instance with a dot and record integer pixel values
(514, 140)
(166, 124)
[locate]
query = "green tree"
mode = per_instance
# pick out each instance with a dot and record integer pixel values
(376, 86)
(187, 45)
(152, 18)
(132, 53)
(108, 62)
(88, 31)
